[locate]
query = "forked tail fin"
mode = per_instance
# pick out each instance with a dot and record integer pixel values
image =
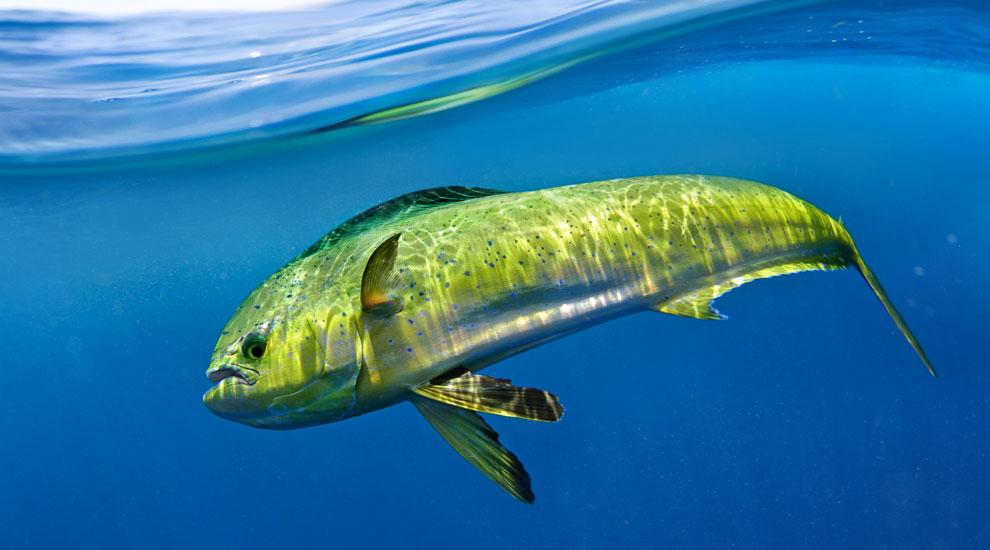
(874, 283)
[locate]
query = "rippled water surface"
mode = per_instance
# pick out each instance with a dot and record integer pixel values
(155, 169)
(79, 87)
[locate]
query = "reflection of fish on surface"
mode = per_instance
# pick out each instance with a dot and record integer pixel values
(409, 299)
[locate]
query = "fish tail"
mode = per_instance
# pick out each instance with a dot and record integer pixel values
(881, 295)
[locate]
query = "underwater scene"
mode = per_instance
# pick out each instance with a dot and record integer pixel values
(447, 274)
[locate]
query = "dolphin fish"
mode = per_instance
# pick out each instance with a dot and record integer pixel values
(410, 299)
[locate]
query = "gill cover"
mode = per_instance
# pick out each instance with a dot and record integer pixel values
(302, 378)
(316, 383)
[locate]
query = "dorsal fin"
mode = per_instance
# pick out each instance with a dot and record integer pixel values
(379, 283)
(396, 208)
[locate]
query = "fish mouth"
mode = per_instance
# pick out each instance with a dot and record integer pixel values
(239, 375)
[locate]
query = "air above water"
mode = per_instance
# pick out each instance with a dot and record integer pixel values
(155, 169)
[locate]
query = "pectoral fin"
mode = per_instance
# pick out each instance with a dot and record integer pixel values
(380, 283)
(478, 443)
(464, 389)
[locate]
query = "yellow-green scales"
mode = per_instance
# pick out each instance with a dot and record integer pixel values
(408, 299)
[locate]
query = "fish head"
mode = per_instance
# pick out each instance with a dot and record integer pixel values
(275, 367)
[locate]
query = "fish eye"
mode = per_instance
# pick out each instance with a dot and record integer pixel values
(254, 346)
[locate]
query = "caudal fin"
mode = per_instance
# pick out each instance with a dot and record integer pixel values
(874, 283)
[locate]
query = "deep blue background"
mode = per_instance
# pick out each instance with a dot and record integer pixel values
(804, 420)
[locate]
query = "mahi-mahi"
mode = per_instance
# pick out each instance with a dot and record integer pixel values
(410, 299)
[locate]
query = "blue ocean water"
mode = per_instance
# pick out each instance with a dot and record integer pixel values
(155, 169)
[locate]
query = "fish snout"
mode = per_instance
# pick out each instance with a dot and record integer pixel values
(238, 374)
(231, 394)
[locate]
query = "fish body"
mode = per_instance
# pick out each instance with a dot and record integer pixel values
(411, 299)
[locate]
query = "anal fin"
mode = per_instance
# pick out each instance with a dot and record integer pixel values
(478, 443)
(698, 303)
(464, 389)
(698, 306)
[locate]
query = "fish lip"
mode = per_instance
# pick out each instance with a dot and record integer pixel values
(241, 375)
